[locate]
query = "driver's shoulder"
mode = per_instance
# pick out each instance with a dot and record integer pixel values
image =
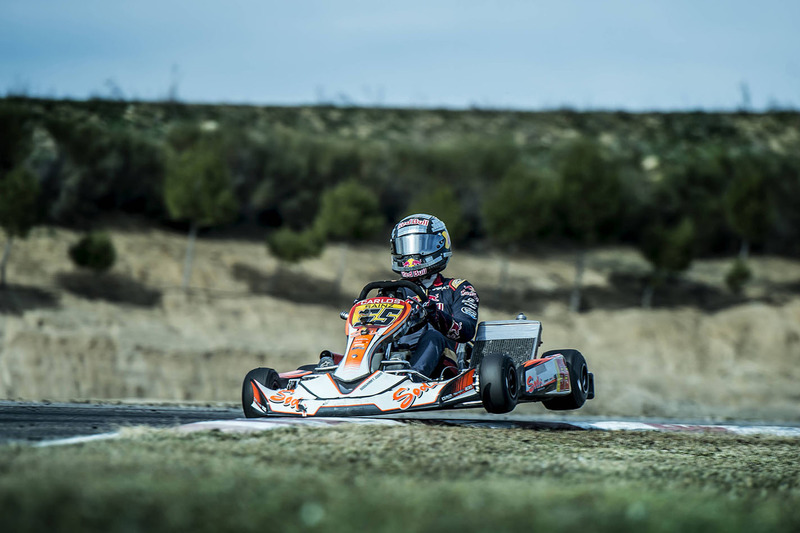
(458, 284)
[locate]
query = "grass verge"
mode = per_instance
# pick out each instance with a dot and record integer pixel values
(411, 478)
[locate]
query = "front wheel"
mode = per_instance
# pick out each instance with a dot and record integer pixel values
(499, 385)
(578, 382)
(250, 393)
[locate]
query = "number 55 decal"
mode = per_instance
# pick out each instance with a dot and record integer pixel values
(380, 317)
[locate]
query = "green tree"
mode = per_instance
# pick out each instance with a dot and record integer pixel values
(785, 232)
(748, 209)
(442, 203)
(519, 208)
(590, 199)
(198, 188)
(670, 250)
(348, 212)
(15, 136)
(94, 251)
(19, 193)
(693, 185)
(103, 168)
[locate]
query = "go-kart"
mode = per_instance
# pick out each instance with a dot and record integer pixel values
(373, 375)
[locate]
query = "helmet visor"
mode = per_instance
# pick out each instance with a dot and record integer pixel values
(418, 244)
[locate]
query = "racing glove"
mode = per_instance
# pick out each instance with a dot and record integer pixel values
(437, 318)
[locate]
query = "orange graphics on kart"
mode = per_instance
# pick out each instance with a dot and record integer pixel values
(498, 371)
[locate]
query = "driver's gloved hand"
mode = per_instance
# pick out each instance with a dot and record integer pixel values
(440, 320)
(430, 307)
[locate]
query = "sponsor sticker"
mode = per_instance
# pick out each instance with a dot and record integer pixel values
(413, 222)
(469, 312)
(534, 383)
(462, 392)
(369, 382)
(563, 376)
(455, 330)
(382, 300)
(286, 398)
(377, 314)
(414, 273)
(406, 396)
(461, 386)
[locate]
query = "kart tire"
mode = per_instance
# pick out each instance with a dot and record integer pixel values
(265, 376)
(578, 382)
(499, 383)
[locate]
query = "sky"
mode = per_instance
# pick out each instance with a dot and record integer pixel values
(635, 55)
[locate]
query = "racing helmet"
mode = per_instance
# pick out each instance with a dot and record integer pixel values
(420, 246)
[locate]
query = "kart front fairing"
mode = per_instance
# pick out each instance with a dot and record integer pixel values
(381, 392)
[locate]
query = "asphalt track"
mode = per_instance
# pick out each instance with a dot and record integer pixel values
(33, 422)
(55, 422)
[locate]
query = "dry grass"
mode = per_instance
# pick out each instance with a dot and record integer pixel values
(411, 478)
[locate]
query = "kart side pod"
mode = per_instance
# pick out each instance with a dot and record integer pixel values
(518, 339)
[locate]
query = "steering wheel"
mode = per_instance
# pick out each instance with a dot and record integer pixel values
(391, 287)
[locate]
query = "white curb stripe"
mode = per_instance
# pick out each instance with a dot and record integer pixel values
(777, 431)
(76, 440)
(248, 425)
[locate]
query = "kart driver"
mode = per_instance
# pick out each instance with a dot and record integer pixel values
(420, 252)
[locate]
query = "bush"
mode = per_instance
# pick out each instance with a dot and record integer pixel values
(520, 207)
(348, 212)
(738, 276)
(669, 248)
(94, 251)
(293, 246)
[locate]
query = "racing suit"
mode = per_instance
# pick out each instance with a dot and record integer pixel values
(452, 318)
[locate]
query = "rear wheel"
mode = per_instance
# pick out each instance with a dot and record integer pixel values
(578, 382)
(266, 377)
(499, 386)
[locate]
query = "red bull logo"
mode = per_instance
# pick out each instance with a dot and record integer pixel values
(413, 221)
(412, 262)
(414, 273)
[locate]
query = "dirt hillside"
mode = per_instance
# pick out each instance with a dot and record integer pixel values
(132, 333)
